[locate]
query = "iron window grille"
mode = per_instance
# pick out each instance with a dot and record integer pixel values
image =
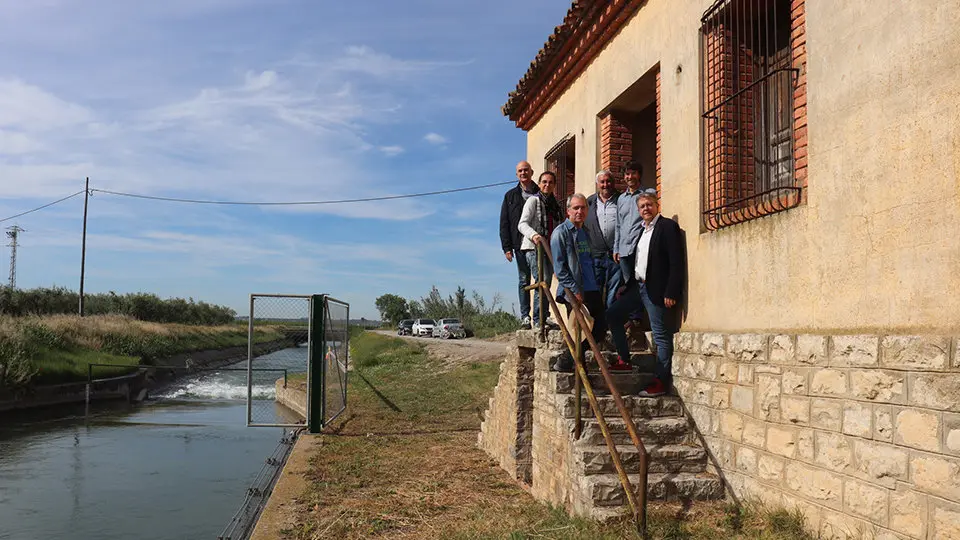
(747, 111)
(561, 160)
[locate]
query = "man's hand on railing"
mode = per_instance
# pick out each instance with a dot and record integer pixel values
(537, 239)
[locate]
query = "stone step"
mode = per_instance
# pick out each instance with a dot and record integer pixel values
(669, 430)
(626, 382)
(638, 407)
(605, 489)
(674, 458)
(642, 361)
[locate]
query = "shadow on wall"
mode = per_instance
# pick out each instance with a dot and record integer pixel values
(680, 315)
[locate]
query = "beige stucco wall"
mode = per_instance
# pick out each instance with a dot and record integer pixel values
(876, 247)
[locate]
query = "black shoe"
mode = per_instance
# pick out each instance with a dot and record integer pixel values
(562, 368)
(564, 363)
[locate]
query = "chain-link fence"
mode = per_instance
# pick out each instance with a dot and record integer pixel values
(336, 347)
(278, 352)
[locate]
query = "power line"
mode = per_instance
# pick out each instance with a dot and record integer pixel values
(41, 207)
(295, 203)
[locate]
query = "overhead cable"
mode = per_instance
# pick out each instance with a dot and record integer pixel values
(42, 207)
(297, 203)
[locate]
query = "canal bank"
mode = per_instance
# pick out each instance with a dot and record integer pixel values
(131, 387)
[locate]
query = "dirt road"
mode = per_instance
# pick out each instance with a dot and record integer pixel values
(456, 352)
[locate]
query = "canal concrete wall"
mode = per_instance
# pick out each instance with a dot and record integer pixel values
(293, 396)
(130, 386)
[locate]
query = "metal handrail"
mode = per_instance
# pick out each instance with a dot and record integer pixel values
(639, 507)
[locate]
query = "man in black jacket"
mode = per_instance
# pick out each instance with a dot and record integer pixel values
(656, 285)
(510, 238)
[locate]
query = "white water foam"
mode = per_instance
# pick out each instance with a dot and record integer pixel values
(219, 390)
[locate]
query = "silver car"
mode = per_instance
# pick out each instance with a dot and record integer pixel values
(449, 328)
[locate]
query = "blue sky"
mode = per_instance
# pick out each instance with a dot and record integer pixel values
(264, 100)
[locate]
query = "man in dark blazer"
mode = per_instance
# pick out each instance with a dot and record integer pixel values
(656, 285)
(510, 239)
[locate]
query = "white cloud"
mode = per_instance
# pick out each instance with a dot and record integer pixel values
(435, 138)
(30, 108)
(391, 151)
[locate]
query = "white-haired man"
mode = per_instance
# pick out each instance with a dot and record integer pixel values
(602, 226)
(656, 285)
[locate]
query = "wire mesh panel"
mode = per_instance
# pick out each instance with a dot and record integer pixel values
(336, 348)
(278, 356)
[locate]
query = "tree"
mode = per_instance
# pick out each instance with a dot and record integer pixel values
(392, 308)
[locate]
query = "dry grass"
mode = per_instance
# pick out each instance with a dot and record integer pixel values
(404, 464)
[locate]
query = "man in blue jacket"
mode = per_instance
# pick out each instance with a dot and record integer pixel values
(573, 265)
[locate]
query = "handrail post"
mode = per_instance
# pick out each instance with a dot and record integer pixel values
(639, 507)
(541, 306)
(577, 388)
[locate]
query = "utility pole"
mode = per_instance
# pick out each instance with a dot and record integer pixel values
(13, 233)
(83, 249)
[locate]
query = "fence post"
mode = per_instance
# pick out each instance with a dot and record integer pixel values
(315, 371)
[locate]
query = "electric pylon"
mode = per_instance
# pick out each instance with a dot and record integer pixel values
(13, 233)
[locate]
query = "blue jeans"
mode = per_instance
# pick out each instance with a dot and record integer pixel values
(607, 273)
(634, 297)
(523, 269)
(531, 256)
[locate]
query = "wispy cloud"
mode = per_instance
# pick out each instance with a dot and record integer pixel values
(391, 151)
(435, 138)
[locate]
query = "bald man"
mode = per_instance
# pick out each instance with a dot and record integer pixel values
(510, 238)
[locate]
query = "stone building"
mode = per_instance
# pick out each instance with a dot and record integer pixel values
(810, 150)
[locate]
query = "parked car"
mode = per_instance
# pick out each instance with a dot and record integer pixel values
(449, 328)
(423, 327)
(405, 327)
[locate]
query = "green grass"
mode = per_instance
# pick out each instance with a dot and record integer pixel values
(58, 349)
(60, 365)
(403, 461)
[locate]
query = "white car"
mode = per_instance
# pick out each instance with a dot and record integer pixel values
(423, 327)
(449, 328)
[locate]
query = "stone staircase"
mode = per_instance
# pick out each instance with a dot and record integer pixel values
(678, 464)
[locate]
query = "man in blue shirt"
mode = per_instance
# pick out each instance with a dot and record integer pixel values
(574, 267)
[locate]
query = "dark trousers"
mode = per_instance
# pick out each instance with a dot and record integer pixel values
(636, 296)
(524, 274)
(593, 300)
(608, 275)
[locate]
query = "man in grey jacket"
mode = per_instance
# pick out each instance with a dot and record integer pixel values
(601, 223)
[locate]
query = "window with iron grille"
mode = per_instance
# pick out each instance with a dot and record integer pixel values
(747, 122)
(561, 161)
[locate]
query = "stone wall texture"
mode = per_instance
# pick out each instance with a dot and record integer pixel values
(860, 432)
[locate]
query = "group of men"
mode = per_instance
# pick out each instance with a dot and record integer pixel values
(613, 253)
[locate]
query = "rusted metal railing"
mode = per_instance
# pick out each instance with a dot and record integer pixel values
(637, 501)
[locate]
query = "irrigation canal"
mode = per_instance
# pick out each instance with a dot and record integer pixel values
(176, 466)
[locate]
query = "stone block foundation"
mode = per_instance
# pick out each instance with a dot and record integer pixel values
(860, 432)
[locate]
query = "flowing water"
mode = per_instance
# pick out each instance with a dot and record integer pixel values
(174, 467)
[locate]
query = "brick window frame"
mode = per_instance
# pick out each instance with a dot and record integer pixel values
(753, 110)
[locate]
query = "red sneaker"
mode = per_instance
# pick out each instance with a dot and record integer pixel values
(620, 365)
(655, 389)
